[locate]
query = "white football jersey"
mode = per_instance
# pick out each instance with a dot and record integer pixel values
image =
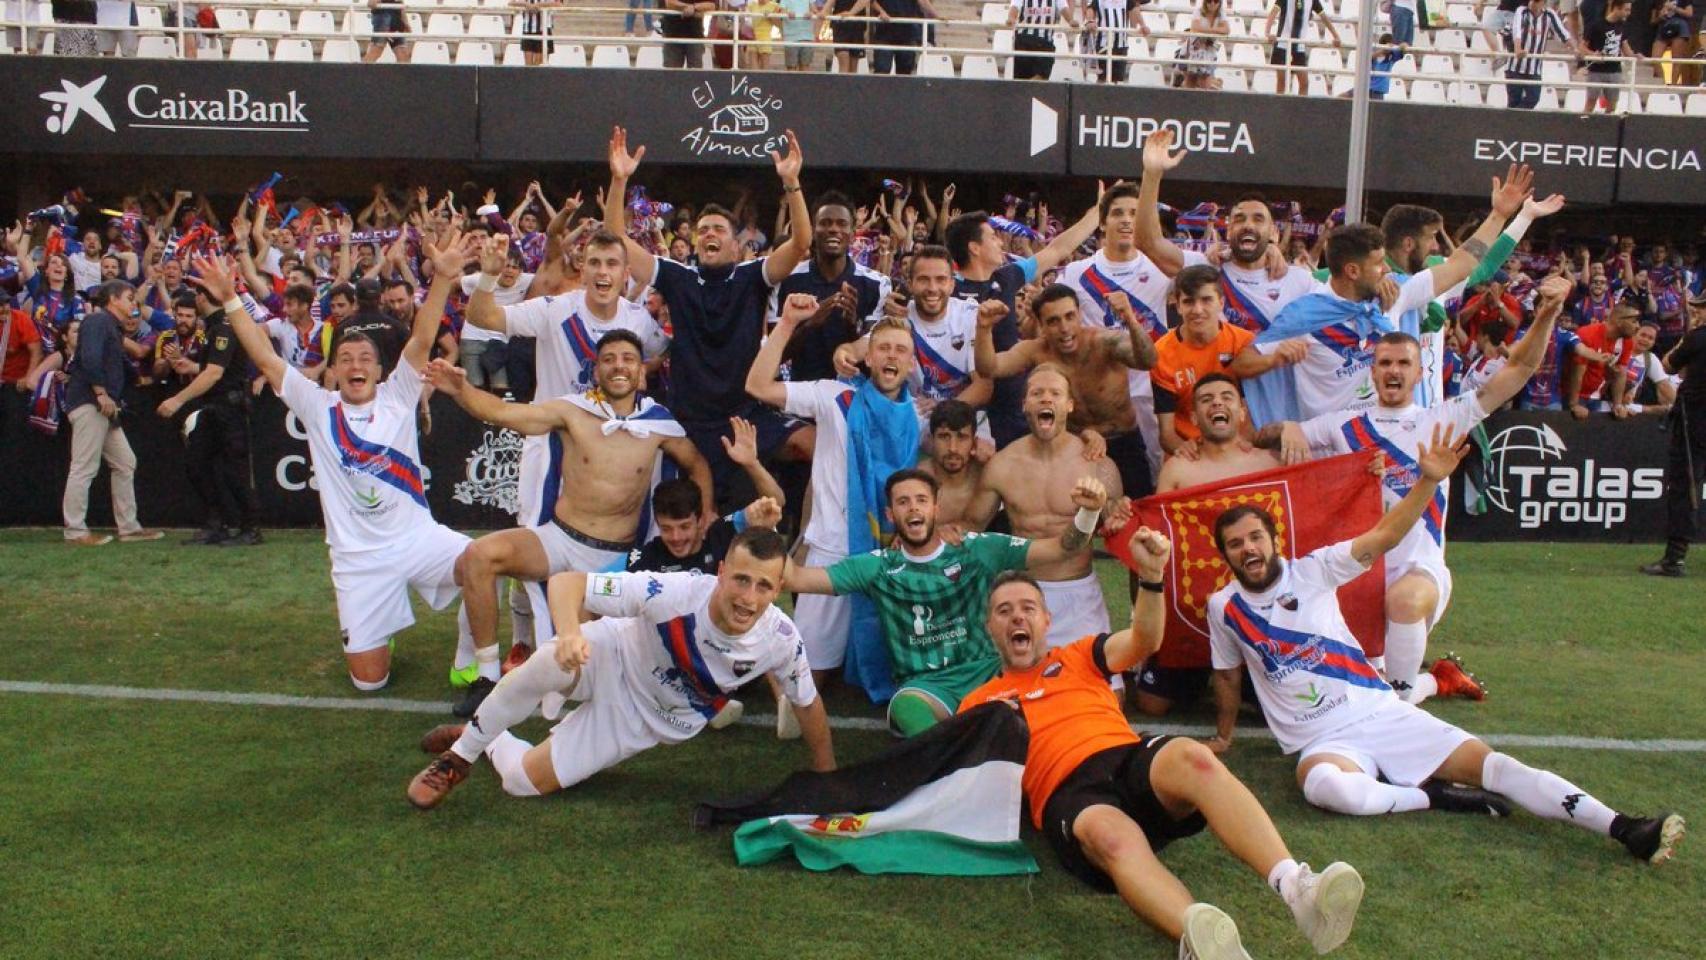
(1337, 372)
(1143, 283)
(367, 459)
(568, 336)
(826, 403)
(1308, 669)
(944, 349)
(1399, 433)
(1252, 298)
(674, 659)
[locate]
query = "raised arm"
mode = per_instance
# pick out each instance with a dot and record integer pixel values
(528, 419)
(1525, 357)
(1061, 248)
(483, 310)
(761, 382)
(1089, 495)
(448, 259)
(743, 452)
(215, 276)
(1511, 198)
(642, 266)
(989, 363)
(1441, 456)
(1130, 647)
(1132, 348)
(785, 258)
(1158, 158)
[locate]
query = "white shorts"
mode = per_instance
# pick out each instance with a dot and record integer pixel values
(372, 586)
(825, 621)
(1436, 571)
(530, 480)
(1075, 608)
(1148, 424)
(1399, 742)
(610, 724)
(564, 553)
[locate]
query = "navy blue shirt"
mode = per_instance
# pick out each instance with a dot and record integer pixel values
(718, 320)
(811, 353)
(99, 362)
(1006, 418)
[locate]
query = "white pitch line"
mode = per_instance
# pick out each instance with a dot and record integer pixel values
(391, 705)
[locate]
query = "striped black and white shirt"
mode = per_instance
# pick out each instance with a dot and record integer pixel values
(1293, 18)
(1038, 18)
(1528, 32)
(1111, 25)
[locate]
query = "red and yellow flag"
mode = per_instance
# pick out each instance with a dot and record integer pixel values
(1314, 504)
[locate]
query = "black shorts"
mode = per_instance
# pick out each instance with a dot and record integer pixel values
(846, 34)
(1183, 685)
(1131, 459)
(389, 20)
(1033, 68)
(1299, 55)
(1117, 777)
(734, 488)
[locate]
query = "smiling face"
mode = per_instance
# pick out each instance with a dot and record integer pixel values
(890, 358)
(1248, 549)
(912, 510)
(1217, 410)
(680, 535)
(1200, 311)
(831, 230)
(1062, 327)
(1645, 338)
(931, 280)
(1048, 402)
(1397, 368)
(987, 250)
(1018, 624)
(952, 449)
(1119, 227)
(714, 241)
(604, 273)
(619, 369)
(1250, 228)
(110, 268)
(356, 365)
(746, 587)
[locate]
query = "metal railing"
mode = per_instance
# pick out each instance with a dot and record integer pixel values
(1146, 48)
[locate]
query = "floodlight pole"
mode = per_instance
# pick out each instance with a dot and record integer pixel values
(1355, 173)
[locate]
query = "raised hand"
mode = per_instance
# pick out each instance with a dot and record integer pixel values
(788, 166)
(15, 237)
(446, 377)
(743, 448)
(1543, 208)
(494, 255)
(1555, 289)
(1292, 351)
(622, 163)
(1095, 445)
(1442, 454)
(1511, 193)
(990, 313)
(1158, 153)
(763, 512)
(1150, 550)
(215, 275)
(797, 308)
(1120, 306)
(1089, 494)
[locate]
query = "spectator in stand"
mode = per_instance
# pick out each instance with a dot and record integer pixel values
(1036, 22)
(1667, 288)
(1386, 56)
(21, 358)
(849, 32)
(1585, 378)
(1545, 390)
(136, 342)
(682, 25)
(1287, 19)
(800, 20)
(1526, 34)
(1595, 299)
(389, 29)
(536, 28)
(86, 262)
(178, 351)
(297, 336)
(484, 354)
(80, 42)
(1672, 28)
(1487, 356)
(1113, 20)
(891, 34)
(1494, 302)
(631, 20)
(1404, 22)
(94, 397)
(1202, 50)
(1646, 372)
(1602, 42)
(50, 293)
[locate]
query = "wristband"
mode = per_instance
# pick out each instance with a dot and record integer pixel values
(232, 306)
(1518, 226)
(487, 283)
(1085, 521)
(1153, 586)
(793, 189)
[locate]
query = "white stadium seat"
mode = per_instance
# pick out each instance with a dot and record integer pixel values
(1576, 101)
(340, 51)
(1665, 104)
(1696, 105)
(1548, 98)
(994, 14)
(250, 48)
(1436, 65)
(513, 56)
(1555, 71)
(316, 22)
(475, 53)
(430, 51)
(1233, 80)
(231, 20)
(487, 25)
(935, 65)
(1466, 95)
(294, 50)
(159, 48)
(149, 18)
(276, 22)
(609, 55)
(444, 25)
(1146, 75)
(649, 57)
(210, 48)
(1001, 41)
(1427, 91)
(567, 55)
(980, 68)
(1476, 66)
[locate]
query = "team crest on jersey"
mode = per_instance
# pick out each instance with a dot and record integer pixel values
(653, 587)
(1288, 601)
(1053, 669)
(958, 342)
(606, 586)
(952, 572)
(1273, 294)
(742, 667)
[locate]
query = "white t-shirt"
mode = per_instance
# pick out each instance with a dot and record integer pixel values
(944, 349)
(1400, 433)
(85, 273)
(1257, 298)
(1479, 371)
(297, 350)
(1094, 277)
(568, 337)
(825, 401)
(501, 295)
(674, 659)
(1336, 374)
(367, 459)
(1308, 669)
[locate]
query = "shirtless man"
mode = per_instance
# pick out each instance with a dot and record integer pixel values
(611, 438)
(1097, 364)
(1034, 477)
(953, 440)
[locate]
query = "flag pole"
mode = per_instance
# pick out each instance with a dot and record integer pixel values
(1355, 173)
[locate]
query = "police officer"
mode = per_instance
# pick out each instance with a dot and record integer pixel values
(1685, 467)
(215, 427)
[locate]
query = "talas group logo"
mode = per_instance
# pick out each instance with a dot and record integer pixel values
(739, 120)
(145, 106)
(1531, 474)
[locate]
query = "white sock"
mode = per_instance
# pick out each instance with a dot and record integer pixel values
(1422, 686)
(1282, 878)
(1405, 645)
(1545, 794)
(1378, 663)
(368, 686)
(487, 657)
(464, 639)
(509, 703)
(520, 614)
(506, 753)
(1358, 794)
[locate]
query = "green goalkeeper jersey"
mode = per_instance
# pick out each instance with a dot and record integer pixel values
(932, 610)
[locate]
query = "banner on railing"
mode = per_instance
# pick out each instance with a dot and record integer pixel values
(1659, 161)
(1458, 150)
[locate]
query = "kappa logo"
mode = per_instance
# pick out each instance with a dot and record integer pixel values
(1570, 803)
(492, 474)
(71, 101)
(738, 120)
(653, 587)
